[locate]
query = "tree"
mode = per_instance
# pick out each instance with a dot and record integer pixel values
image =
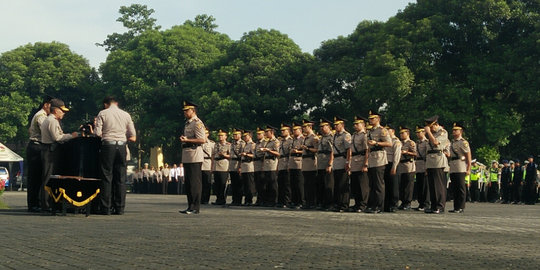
(203, 21)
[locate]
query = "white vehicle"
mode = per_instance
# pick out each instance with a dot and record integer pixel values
(4, 175)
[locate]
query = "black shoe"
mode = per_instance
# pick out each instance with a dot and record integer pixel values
(192, 212)
(456, 211)
(297, 207)
(104, 213)
(428, 211)
(406, 208)
(118, 212)
(34, 209)
(373, 211)
(184, 211)
(401, 207)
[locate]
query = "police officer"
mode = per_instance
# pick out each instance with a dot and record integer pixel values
(221, 154)
(358, 165)
(422, 187)
(270, 163)
(436, 162)
(258, 165)
(234, 167)
(530, 181)
(33, 156)
(247, 169)
(341, 145)
(391, 177)
(325, 160)
(192, 157)
(207, 147)
(517, 181)
(493, 182)
(51, 135)
(474, 185)
(309, 164)
(378, 138)
(284, 182)
(506, 181)
(460, 166)
(406, 168)
(295, 167)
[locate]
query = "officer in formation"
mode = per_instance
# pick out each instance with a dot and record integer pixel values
(406, 168)
(460, 166)
(206, 168)
(247, 168)
(221, 153)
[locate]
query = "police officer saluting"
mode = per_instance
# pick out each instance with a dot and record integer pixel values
(192, 157)
(460, 165)
(435, 163)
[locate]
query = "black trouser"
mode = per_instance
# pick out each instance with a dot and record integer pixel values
(376, 188)
(518, 189)
(406, 188)
(493, 194)
(33, 183)
(259, 186)
(165, 185)
(529, 192)
(391, 183)
(474, 189)
(220, 183)
(248, 185)
(437, 188)
(325, 185)
(360, 189)
(506, 191)
(310, 187)
(193, 184)
(171, 187)
(422, 189)
(270, 187)
(113, 166)
(236, 185)
(48, 158)
(284, 187)
(206, 186)
(459, 190)
(297, 187)
(341, 189)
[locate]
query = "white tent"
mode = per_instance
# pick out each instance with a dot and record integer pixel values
(6, 155)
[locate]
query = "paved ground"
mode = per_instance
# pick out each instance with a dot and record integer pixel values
(153, 235)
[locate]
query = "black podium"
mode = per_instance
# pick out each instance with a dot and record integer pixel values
(76, 179)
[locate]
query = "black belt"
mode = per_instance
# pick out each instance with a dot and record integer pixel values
(325, 152)
(361, 153)
(296, 155)
(339, 155)
(220, 158)
(34, 142)
(406, 161)
(207, 158)
(375, 150)
(455, 158)
(113, 142)
(434, 151)
(272, 157)
(235, 159)
(419, 158)
(189, 145)
(257, 159)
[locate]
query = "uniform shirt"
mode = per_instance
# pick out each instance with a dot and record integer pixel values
(530, 172)
(51, 131)
(146, 173)
(173, 173)
(166, 174)
(114, 124)
(158, 175)
(270, 161)
(393, 153)
(421, 152)
(324, 151)
(295, 160)
(359, 147)
(247, 165)
(458, 150)
(258, 156)
(221, 164)
(406, 162)
(341, 143)
(194, 129)
(435, 158)
(207, 148)
(34, 131)
(236, 149)
(284, 152)
(309, 159)
(377, 155)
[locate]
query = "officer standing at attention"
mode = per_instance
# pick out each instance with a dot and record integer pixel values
(436, 161)
(309, 164)
(460, 166)
(406, 168)
(207, 147)
(391, 177)
(358, 165)
(246, 168)
(51, 135)
(325, 161)
(474, 185)
(33, 156)
(115, 128)
(506, 181)
(192, 157)
(493, 183)
(530, 181)
(284, 182)
(258, 165)
(341, 143)
(517, 182)
(422, 188)
(234, 167)
(270, 163)
(295, 168)
(378, 138)
(221, 154)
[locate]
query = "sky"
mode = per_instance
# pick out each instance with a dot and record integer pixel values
(82, 24)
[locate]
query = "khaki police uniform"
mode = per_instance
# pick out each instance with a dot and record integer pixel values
(192, 158)
(309, 170)
(359, 179)
(391, 182)
(33, 159)
(341, 143)
(458, 170)
(206, 170)
(221, 171)
(406, 170)
(325, 194)
(436, 162)
(377, 161)
(422, 188)
(284, 182)
(259, 175)
(270, 163)
(295, 173)
(234, 165)
(248, 172)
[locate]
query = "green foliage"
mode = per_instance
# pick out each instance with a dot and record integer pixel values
(203, 21)
(486, 154)
(14, 116)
